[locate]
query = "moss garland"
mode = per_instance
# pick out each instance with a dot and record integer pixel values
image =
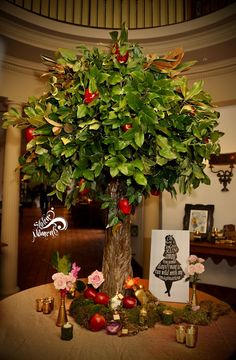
(82, 309)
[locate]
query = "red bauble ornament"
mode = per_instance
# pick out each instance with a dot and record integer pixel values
(90, 293)
(126, 127)
(97, 322)
(125, 206)
(101, 298)
(89, 96)
(29, 134)
(129, 302)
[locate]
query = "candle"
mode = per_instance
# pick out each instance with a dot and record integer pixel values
(39, 304)
(67, 331)
(167, 317)
(180, 334)
(191, 335)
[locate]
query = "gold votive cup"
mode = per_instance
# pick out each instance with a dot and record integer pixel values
(47, 307)
(167, 317)
(39, 304)
(51, 301)
(180, 333)
(191, 336)
(67, 331)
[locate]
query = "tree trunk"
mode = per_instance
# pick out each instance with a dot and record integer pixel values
(117, 253)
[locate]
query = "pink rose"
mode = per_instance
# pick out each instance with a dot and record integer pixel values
(191, 270)
(59, 280)
(192, 258)
(199, 268)
(96, 279)
(201, 260)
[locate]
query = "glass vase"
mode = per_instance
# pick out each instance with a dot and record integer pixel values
(62, 316)
(194, 299)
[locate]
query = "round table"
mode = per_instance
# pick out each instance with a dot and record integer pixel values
(30, 335)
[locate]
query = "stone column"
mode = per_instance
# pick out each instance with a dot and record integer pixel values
(10, 211)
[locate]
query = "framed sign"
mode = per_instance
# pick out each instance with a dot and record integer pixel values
(168, 261)
(199, 218)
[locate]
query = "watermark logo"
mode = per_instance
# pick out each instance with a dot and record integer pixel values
(49, 225)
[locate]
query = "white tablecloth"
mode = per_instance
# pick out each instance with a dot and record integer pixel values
(29, 335)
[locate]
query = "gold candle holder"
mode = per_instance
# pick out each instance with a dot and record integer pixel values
(50, 299)
(167, 317)
(191, 336)
(180, 334)
(39, 304)
(67, 331)
(46, 306)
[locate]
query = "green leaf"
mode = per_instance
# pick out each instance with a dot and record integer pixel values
(140, 178)
(195, 90)
(67, 54)
(82, 110)
(88, 174)
(167, 153)
(115, 78)
(139, 138)
(60, 186)
(197, 171)
(134, 102)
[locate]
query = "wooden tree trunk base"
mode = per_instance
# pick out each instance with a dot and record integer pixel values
(117, 257)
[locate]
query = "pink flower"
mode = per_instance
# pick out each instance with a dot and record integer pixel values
(75, 270)
(192, 258)
(59, 280)
(191, 270)
(96, 279)
(194, 268)
(199, 268)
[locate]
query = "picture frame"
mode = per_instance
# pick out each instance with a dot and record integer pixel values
(199, 219)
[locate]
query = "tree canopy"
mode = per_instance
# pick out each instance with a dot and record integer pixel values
(117, 115)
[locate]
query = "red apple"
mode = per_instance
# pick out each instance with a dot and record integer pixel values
(90, 293)
(129, 302)
(155, 192)
(125, 206)
(122, 58)
(29, 133)
(97, 322)
(89, 96)
(126, 127)
(101, 298)
(85, 191)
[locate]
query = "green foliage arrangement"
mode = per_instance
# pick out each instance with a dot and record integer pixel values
(117, 115)
(82, 309)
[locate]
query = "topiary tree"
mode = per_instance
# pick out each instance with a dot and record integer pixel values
(119, 124)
